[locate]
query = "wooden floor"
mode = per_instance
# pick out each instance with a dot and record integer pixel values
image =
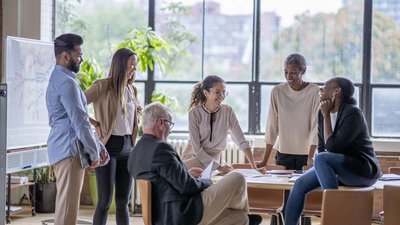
(86, 213)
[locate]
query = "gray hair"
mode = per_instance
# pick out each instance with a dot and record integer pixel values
(295, 59)
(155, 111)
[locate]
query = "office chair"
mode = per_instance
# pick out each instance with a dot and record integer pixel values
(350, 206)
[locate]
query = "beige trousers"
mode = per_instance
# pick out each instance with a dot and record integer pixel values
(69, 182)
(225, 202)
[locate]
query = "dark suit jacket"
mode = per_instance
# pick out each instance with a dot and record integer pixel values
(351, 138)
(176, 198)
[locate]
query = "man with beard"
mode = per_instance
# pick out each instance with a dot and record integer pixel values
(69, 121)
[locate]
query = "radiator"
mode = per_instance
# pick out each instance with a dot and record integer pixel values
(232, 154)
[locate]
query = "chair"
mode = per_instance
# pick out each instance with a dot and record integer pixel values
(275, 197)
(312, 206)
(394, 170)
(391, 204)
(350, 206)
(145, 197)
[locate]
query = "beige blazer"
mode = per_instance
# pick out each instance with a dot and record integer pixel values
(105, 106)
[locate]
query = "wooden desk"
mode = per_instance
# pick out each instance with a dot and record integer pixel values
(378, 186)
(270, 182)
(281, 182)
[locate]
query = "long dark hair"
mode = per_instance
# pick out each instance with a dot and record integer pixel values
(118, 76)
(347, 88)
(198, 96)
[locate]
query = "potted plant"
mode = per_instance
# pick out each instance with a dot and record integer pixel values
(45, 190)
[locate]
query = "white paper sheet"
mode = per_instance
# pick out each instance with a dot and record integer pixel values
(208, 171)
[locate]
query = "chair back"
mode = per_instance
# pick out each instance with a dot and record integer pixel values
(391, 204)
(395, 170)
(350, 206)
(145, 197)
(313, 203)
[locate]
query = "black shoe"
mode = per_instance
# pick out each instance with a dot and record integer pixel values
(254, 219)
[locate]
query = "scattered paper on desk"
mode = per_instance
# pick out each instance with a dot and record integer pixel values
(249, 172)
(14, 208)
(293, 178)
(283, 172)
(266, 179)
(208, 171)
(390, 176)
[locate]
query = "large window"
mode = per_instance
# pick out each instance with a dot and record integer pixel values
(328, 33)
(385, 69)
(103, 24)
(246, 42)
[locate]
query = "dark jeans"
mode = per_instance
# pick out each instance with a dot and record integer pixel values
(114, 173)
(291, 162)
(326, 173)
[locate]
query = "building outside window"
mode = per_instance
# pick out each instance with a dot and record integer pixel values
(246, 43)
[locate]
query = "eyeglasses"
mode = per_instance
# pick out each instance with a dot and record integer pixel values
(171, 124)
(220, 93)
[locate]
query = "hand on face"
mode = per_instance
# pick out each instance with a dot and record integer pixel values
(326, 106)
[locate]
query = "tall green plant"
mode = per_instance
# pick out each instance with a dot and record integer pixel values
(90, 71)
(150, 48)
(170, 102)
(44, 175)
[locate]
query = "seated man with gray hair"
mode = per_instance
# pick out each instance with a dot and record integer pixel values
(179, 196)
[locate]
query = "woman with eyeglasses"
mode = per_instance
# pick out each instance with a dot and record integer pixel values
(345, 151)
(116, 111)
(210, 121)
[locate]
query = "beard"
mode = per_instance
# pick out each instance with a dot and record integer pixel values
(74, 67)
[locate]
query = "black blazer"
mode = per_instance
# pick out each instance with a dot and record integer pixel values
(176, 198)
(351, 138)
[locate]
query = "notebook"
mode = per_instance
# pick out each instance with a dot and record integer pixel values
(207, 173)
(390, 176)
(84, 157)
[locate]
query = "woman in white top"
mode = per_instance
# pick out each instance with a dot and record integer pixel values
(292, 118)
(210, 121)
(116, 112)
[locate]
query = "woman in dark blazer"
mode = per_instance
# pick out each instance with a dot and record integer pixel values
(345, 151)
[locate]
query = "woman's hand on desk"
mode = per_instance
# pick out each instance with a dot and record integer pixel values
(196, 172)
(261, 164)
(261, 170)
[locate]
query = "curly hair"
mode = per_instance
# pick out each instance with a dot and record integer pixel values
(198, 96)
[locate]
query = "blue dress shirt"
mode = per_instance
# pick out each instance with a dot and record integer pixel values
(68, 118)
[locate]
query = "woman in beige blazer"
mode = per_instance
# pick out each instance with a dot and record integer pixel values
(116, 112)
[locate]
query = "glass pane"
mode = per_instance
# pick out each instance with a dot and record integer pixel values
(102, 29)
(140, 92)
(180, 23)
(265, 100)
(238, 99)
(386, 41)
(228, 39)
(327, 32)
(180, 94)
(386, 112)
